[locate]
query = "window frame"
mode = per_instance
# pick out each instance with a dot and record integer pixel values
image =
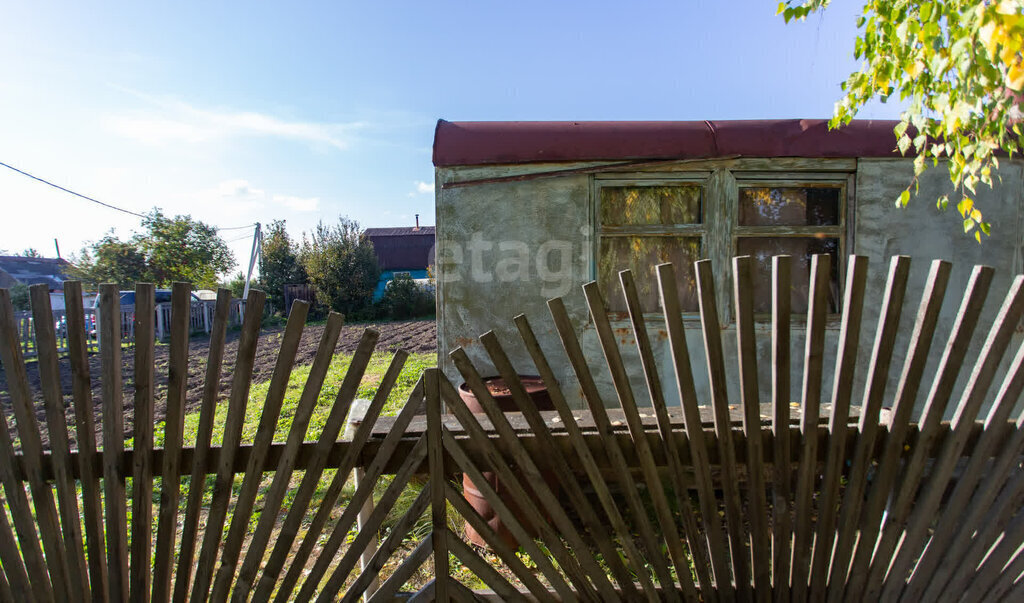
(699, 230)
(719, 230)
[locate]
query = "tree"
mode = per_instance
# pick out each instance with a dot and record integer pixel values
(279, 263)
(31, 252)
(112, 260)
(342, 266)
(405, 298)
(20, 298)
(960, 65)
(171, 249)
(237, 284)
(183, 249)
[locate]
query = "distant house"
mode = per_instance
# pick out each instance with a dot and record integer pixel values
(52, 272)
(403, 249)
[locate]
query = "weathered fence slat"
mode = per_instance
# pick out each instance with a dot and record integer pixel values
(620, 380)
(286, 466)
(207, 408)
(623, 477)
(114, 497)
(310, 480)
(583, 453)
(694, 428)
(232, 437)
(715, 358)
(246, 498)
(85, 434)
(139, 582)
(781, 395)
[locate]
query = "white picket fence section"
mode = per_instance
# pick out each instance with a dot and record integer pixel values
(201, 321)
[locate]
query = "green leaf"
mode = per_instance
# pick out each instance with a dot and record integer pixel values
(968, 225)
(904, 198)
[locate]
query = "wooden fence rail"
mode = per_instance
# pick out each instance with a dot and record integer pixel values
(740, 497)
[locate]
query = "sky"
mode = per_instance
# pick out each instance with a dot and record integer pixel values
(237, 113)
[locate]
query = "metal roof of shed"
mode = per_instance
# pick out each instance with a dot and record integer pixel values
(504, 142)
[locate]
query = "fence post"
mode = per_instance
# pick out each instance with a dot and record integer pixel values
(355, 417)
(160, 321)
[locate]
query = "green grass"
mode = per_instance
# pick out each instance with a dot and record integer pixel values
(378, 365)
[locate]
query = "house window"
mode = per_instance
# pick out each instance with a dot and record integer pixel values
(401, 274)
(799, 220)
(645, 224)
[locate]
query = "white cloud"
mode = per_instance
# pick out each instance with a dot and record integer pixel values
(176, 121)
(424, 187)
(298, 203)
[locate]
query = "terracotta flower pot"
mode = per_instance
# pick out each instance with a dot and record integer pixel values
(538, 393)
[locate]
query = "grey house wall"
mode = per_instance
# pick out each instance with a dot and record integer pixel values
(510, 237)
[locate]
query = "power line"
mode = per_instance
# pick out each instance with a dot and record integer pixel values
(87, 198)
(57, 186)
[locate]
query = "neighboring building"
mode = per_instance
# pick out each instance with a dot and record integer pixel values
(527, 211)
(20, 270)
(403, 249)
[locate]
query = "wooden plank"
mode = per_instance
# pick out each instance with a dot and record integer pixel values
(174, 422)
(746, 346)
(232, 437)
(113, 442)
(1002, 554)
(874, 390)
(494, 541)
(694, 428)
(370, 528)
(10, 555)
(364, 491)
(253, 476)
(438, 506)
(927, 503)
(60, 453)
(311, 479)
(413, 561)
(577, 500)
(543, 509)
(275, 496)
(720, 402)
(197, 481)
(620, 378)
(782, 527)
(483, 570)
(512, 521)
(906, 394)
(139, 581)
(392, 543)
(613, 451)
(1009, 586)
(810, 404)
(85, 435)
(998, 512)
(696, 545)
(585, 456)
(842, 392)
(952, 536)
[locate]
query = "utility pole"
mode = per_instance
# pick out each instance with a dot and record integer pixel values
(257, 247)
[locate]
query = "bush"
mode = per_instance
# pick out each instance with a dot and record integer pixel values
(404, 298)
(341, 264)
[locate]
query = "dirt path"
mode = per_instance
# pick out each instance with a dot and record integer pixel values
(413, 336)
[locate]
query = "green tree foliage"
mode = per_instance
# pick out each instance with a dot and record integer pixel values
(404, 298)
(279, 263)
(111, 260)
(959, 64)
(31, 252)
(20, 298)
(237, 285)
(170, 249)
(341, 264)
(183, 249)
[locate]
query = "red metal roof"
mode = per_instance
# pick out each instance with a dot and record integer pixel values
(496, 142)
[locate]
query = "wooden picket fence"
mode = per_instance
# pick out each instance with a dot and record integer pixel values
(833, 500)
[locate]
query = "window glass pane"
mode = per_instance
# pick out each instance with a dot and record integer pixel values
(622, 205)
(790, 206)
(641, 255)
(761, 249)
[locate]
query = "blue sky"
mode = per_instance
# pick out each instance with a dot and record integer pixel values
(236, 113)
